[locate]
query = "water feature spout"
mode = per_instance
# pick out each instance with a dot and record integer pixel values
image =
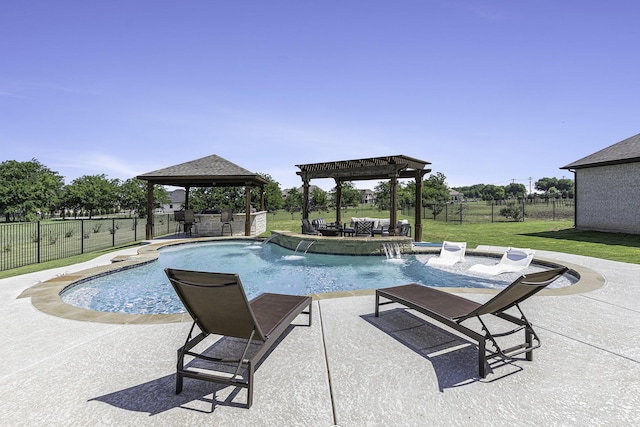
(268, 239)
(392, 250)
(304, 244)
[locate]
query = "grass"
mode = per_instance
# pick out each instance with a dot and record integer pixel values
(61, 262)
(557, 236)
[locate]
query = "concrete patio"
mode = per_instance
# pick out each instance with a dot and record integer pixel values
(348, 369)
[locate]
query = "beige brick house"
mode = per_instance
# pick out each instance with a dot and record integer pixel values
(607, 188)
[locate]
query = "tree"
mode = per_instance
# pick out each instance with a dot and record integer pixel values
(92, 193)
(515, 191)
(493, 192)
(544, 184)
(132, 195)
(318, 198)
(350, 196)
(28, 188)
(435, 193)
(294, 200)
(383, 195)
(565, 187)
(272, 194)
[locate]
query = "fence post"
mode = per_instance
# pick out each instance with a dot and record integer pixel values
(113, 232)
(39, 237)
(523, 217)
(135, 229)
(82, 236)
(492, 204)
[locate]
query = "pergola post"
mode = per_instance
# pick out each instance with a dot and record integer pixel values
(305, 198)
(338, 202)
(393, 217)
(149, 227)
(262, 198)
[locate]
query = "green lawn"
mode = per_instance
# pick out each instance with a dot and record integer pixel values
(558, 236)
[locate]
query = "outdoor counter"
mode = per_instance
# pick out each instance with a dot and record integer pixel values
(209, 225)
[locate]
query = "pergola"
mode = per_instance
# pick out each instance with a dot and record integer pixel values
(376, 168)
(208, 171)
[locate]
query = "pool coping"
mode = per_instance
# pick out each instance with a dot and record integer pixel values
(45, 296)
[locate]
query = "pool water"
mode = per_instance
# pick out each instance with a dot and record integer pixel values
(262, 268)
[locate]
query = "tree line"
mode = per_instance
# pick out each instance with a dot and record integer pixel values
(549, 187)
(30, 190)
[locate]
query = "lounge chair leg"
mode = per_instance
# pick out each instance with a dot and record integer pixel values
(482, 359)
(250, 385)
(529, 340)
(178, 383)
(310, 313)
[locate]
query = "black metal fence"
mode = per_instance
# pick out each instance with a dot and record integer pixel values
(35, 242)
(498, 211)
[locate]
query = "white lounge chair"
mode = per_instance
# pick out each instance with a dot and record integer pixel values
(513, 260)
(450, 254)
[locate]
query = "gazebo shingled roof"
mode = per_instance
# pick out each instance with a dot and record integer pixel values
(374, 168)
(204, 172)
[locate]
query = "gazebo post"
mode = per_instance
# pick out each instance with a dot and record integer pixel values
(149, 228)
(262, 198)
(186, 197)
(247, 215)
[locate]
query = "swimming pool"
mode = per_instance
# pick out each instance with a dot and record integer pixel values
(262, 268)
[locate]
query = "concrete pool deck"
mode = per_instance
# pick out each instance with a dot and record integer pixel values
(348, 369)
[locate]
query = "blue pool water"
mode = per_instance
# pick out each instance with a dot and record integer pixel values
(262, 268)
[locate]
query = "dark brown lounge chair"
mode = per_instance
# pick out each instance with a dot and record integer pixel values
(452, 310)
(218, 305)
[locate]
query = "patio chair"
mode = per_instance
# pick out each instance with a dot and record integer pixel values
(178, 217)
(226, 218)
(513, 260)
(319, 223)
(308, 228)
(189, 221)
(404, 229)
(451, 310)
(450, 254)
(218, 305)
(382, 228)
(363, 228)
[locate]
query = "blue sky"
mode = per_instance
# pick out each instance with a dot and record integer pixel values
(487, 91)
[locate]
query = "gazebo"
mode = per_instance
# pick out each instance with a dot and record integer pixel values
(376, 168)
(208, 171)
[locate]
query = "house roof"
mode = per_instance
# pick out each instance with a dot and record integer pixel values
(627, 151)
(205, 172)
